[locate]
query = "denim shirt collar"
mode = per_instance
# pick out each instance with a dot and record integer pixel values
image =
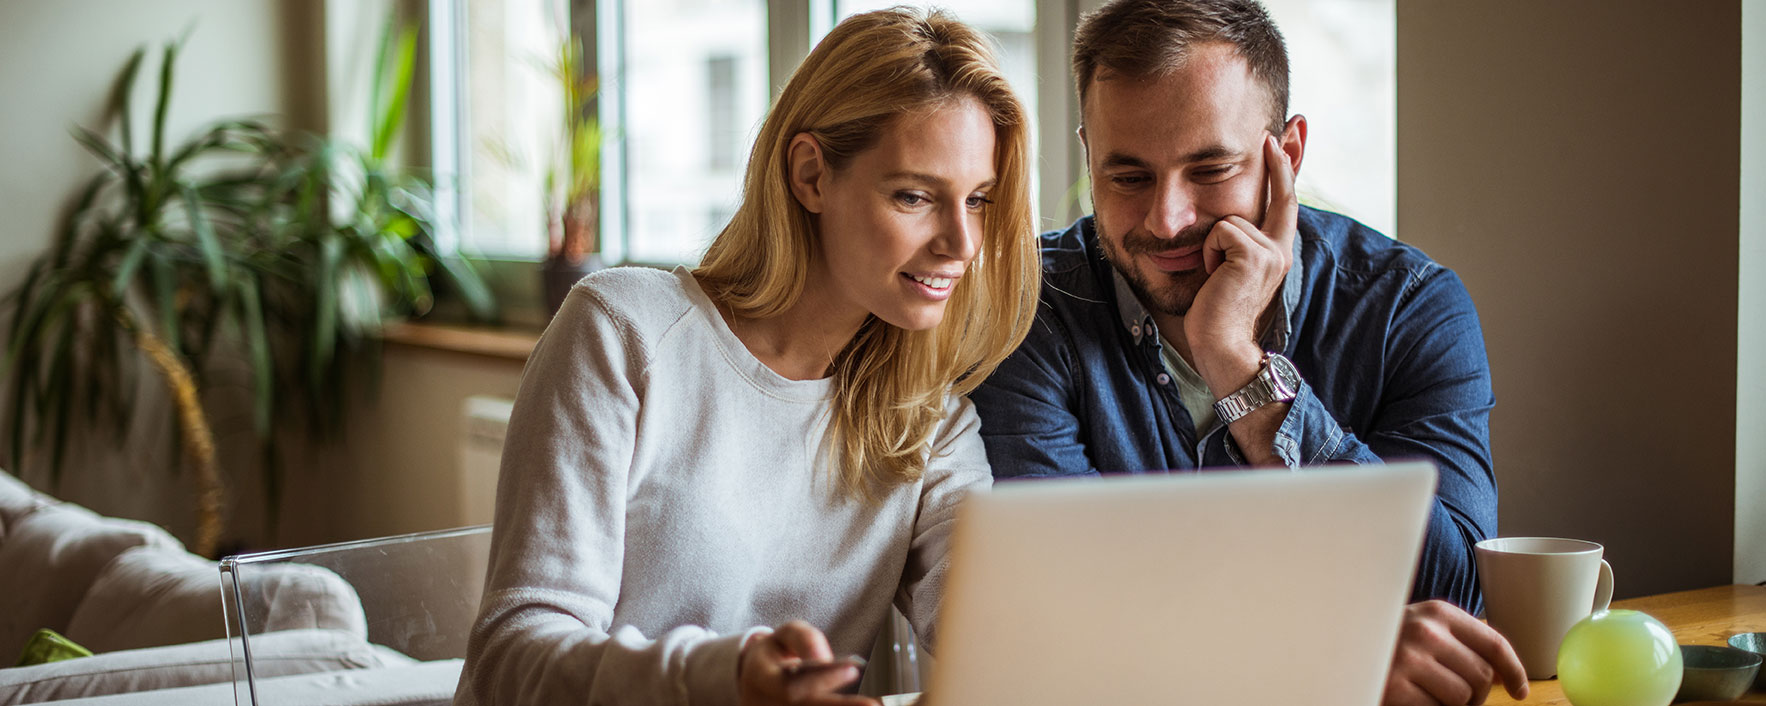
(1139, 323)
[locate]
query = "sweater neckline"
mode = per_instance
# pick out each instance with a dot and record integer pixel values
(743, 360)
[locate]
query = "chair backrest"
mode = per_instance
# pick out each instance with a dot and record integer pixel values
(418, 594)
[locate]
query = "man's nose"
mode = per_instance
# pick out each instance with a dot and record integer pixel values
(1172, 211)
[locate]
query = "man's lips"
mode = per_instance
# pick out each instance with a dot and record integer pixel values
(1180, 260)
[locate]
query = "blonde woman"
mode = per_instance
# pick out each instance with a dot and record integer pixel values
(714, 477)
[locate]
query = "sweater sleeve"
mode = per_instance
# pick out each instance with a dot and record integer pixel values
(958, 467)
(544, 633)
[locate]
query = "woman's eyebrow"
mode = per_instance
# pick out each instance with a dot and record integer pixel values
(930, 179)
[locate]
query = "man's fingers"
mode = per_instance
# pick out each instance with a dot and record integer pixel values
(1494, 649)
(1403, 693)
(1441, 684)
(1281, 219)
(1227, 236)
(804, 641)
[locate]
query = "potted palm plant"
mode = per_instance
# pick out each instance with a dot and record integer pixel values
(573, 180)
(284, 251)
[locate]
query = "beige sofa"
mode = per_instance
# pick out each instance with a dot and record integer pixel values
(152, 613)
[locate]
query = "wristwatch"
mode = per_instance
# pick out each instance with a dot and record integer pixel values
(1276, 381)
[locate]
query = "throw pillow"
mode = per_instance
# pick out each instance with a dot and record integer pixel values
(47, 646)
(51, 558)
(148, 596)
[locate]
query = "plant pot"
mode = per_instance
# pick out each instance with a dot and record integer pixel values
(559, 274)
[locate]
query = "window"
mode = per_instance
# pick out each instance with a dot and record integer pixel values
(692, 79)
(1343, 60)
(491, 152)
(686, 83)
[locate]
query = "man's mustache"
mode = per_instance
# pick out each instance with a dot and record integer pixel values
(1139, 240)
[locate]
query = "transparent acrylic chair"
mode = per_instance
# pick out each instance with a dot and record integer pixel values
(385, 621)
(382, 621)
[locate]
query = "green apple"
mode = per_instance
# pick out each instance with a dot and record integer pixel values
(1619, 658)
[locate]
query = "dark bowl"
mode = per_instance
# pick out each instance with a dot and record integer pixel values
(1716, 673)
(1754, 642)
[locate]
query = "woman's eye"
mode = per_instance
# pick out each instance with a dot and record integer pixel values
(909, 198)
(979, 202)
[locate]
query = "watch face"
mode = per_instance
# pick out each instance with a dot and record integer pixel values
(1285, 375)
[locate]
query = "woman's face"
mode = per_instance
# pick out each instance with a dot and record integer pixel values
(899, 224)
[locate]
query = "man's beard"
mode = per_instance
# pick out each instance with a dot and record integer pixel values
(1165, 293)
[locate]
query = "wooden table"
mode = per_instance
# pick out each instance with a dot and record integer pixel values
(1707, 616)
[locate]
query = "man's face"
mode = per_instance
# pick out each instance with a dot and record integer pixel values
(1170, 156)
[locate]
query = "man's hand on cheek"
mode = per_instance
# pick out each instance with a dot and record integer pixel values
(1246, 266)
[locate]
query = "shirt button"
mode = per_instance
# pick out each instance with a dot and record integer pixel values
(1135, 329)
(1164, 379)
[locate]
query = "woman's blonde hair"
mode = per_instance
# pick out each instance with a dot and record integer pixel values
(889, 384)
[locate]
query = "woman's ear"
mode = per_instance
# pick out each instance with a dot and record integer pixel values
(807, 169)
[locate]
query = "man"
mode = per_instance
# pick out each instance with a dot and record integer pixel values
(1202, 318)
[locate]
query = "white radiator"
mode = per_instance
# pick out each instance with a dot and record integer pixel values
(485, 420)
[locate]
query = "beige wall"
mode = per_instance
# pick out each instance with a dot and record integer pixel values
(1750, 420)
(399, 470)
(1575, 162)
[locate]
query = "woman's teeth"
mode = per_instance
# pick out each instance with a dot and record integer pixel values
(933, 282)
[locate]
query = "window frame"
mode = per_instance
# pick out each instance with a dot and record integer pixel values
(792, 26)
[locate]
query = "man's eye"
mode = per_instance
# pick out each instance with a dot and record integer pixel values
(1129, 180)
(1212, 174)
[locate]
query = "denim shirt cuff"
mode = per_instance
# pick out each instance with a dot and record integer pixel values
(1308, 435)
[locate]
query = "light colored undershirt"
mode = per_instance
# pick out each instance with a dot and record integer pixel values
(1198, 400)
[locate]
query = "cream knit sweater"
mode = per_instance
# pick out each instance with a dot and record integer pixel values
(664, 493)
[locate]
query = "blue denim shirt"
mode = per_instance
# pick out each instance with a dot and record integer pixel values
(1387, 340)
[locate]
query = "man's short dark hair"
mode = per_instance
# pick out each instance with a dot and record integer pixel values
(1151, 38)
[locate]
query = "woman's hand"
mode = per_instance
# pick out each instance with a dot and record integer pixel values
(767, 671)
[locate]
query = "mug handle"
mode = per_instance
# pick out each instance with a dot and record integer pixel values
(1603, 588)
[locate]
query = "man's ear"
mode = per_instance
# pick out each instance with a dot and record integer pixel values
(1294, 141)
(807, 170)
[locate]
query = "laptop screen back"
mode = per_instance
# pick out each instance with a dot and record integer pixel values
(1195, 588)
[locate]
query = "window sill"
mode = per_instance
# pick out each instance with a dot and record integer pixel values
(499, 343)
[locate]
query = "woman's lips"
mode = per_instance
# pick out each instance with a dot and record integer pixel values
(1177, 260)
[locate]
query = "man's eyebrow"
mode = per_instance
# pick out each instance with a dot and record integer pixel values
(1118, 159)
(1210, 153)
(1213, 153)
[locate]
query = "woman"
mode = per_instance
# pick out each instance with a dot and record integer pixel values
(778, 437)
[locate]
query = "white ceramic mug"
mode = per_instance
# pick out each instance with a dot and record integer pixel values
(1536, 588)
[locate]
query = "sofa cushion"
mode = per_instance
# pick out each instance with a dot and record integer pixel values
(148, 596)
(51, 558)
(18, 500)
(208, 662)
(421, 684)
(296, 596)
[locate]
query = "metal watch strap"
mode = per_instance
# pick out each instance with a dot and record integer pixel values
(1266, 387)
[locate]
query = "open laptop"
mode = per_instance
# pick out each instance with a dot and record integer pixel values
(1198, 588)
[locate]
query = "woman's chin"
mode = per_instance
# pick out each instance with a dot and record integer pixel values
(923, 318)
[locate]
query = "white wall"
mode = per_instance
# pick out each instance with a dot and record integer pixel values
(1575, 162)
(58, 61)
(1750, 408)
